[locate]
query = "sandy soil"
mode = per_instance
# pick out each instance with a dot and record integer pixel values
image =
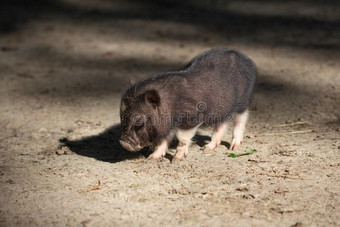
(64, 65)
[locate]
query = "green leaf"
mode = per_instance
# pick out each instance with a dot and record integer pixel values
(134, 186)
(10, 181)
(250, 151)
(233, 155)
(288, 122)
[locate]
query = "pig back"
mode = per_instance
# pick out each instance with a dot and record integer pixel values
(217, 83)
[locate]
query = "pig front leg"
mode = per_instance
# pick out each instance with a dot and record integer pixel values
(184, 140)
(216, 137)
(239, 127)
(159, 152)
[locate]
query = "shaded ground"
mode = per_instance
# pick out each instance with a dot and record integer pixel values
(64, 65)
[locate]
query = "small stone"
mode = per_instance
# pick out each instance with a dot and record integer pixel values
(242, 188)
(63, 151)
(242, 179)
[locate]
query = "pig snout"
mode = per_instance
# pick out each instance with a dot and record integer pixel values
(128, 146)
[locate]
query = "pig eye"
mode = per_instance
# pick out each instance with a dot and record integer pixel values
(138, 122)
(136, 118)
(149, 120)
(139, 126)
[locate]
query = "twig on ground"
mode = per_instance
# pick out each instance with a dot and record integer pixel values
(286, 176)
(292, 124)
(283, 133)
(97, 187)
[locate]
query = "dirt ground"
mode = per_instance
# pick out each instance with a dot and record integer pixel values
(64, 65)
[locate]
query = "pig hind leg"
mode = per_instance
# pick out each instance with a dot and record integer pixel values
(240, 121)
(184, 140)
(216, 137)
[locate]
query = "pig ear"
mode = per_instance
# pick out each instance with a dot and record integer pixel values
(132, 81)
(122, 107)
(151, 97)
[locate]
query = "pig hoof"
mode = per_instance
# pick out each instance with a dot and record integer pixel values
(234, 144)
(176, 159)
(152, 159)
(179, 157)
(208, 148)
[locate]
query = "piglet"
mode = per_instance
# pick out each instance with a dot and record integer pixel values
(213, 89)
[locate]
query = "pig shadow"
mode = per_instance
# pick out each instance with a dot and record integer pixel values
(202, 140)
(105, 146)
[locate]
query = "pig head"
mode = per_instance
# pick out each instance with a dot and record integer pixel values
(139, 117)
